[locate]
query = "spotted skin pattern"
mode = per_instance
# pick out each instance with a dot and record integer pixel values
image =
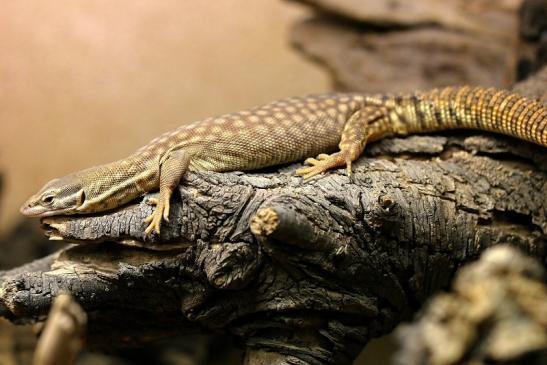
(295, 128)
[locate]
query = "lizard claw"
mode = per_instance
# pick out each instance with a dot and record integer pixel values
(154, 220)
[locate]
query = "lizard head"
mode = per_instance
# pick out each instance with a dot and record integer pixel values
(57, 197)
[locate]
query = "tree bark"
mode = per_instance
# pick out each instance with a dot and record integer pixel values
(495, 313)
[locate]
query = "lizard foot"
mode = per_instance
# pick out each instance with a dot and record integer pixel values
(325, 162)
(160, 213)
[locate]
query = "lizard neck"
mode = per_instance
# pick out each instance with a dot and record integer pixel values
(116, 183)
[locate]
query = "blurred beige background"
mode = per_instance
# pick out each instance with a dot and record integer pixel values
(89, 81)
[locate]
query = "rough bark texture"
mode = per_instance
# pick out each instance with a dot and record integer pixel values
(535, 87)
(495, 313)
(401, 46)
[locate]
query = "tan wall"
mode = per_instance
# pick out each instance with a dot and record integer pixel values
(84, 82)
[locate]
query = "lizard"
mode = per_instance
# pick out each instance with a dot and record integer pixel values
(334, 127)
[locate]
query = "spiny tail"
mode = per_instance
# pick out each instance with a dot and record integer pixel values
(486, 109)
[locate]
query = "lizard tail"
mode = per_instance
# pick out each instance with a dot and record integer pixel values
(481, 108)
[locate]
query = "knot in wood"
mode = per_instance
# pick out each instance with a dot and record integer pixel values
(230, 265)
(264, 222)
(386, 202)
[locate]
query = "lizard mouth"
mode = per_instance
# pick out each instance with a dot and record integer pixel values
(32, 210)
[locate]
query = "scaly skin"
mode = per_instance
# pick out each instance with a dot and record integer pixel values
(280, 132)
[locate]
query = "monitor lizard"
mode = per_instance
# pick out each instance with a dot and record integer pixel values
(280, 132)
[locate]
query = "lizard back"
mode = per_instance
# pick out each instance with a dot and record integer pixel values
(282, 131)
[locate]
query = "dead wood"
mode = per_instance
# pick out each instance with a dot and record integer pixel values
(495, 313)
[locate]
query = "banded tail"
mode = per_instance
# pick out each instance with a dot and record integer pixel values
(481, 108)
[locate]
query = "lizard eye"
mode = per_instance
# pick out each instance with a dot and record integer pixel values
(48, 199)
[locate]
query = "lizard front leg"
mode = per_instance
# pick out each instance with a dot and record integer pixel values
(352, 142)
(173, 166)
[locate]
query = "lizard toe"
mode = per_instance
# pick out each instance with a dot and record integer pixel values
(311, 161)
(348, 167)
(154, 226)
(154, 221)
(166, 209)
(149, 218)
(152, 201)
(308, 172)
